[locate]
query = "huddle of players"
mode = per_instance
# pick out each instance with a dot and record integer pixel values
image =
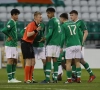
(68, 33)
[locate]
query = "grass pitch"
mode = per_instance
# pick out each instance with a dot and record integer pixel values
(39, 76)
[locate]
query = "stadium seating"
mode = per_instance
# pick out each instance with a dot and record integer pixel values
(82, 6)
(89, 11)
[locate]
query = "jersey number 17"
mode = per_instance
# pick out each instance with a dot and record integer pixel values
(72, 29)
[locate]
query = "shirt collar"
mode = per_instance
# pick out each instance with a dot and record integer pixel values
(36, 23)
(13, 20)
(76, 20)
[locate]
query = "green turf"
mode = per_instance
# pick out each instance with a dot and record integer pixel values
(39, 76)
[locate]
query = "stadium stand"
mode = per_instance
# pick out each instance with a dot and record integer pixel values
(89, 11)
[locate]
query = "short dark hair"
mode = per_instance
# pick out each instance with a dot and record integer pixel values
(15, 11)
(50, 10)
(74, 11)
(64, 15)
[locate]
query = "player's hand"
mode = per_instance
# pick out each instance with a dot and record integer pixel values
(39, 28)
(9, 38)
(81, 48)
(42, 39)
(61, 50)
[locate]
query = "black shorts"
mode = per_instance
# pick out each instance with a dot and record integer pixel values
(27, 50)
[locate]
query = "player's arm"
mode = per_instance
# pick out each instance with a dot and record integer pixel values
(62, 36)
(31, 31)
(49, 33)
(85, 31)
(80, 36)
(7, 29)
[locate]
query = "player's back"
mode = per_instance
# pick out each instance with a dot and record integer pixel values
(72, 34)
(55, 38)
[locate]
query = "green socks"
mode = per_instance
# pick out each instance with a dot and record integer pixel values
(44, 68)
(13, 71)
(9, 71)
(55, 70)
(74, 70)
(48, 70)
(86, 65)
(69, 74)
(78, 71)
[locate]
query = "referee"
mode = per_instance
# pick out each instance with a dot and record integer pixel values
(26, 45)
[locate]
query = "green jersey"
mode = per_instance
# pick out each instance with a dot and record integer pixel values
(82, 26)
(10, 30)
(72, 34)
(61, 58)
(53, 32)
(39, 36)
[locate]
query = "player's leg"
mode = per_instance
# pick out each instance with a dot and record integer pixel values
(60, 72)
(63, 65)
(11, 55)
(73, 70)
(42, 55)
(9, 62)
(44, 66)
(48, 68)
(55, 64)
(78, 69)
(68, 57)
(69, 70)
(74, 78)
(48, 64)
(9, 69)
(86, 66)
(56, 53)
(35, 49)
(77, 63)
(14, 68)
(15, 58)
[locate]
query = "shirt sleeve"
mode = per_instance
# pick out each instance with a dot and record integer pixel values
(62, 36)
(50, 30)
(30, 27)
(83, 26)
(43, 28)
(8, 28)
(80, 36)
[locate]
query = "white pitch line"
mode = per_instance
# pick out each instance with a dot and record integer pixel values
(27, 88)
(37, 88)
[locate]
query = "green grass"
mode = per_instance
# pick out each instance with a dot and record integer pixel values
(39, 76)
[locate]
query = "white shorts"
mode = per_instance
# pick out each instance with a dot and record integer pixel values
(52, 51)
(73, 52)
(82, 52)
(11, 52)
(39, 52)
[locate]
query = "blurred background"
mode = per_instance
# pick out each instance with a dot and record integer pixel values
(89, 11)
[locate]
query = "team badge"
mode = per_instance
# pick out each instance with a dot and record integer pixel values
(8, 26)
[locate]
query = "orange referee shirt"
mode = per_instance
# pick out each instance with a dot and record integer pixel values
(30, 27)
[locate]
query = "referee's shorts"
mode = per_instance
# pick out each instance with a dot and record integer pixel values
(27, 50)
